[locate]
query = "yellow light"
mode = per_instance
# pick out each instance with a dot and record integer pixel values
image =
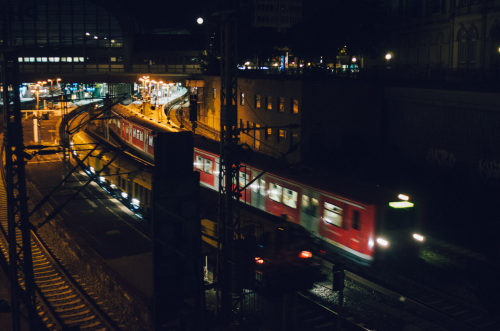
(401, 204)
(305, 255)
(403, 197)
(418, 237)
(259, 260)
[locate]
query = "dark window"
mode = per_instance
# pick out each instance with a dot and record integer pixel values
(355, 220)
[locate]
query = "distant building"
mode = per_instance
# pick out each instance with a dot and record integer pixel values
(459, 35)
(276, 14)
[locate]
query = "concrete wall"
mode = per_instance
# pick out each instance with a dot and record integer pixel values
(447, 129)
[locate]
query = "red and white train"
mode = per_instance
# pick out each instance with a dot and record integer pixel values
(367, 225)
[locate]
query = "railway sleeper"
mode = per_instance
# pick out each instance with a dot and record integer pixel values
(44, 271)
(56, 293)
(47, 276)
(68, 297)
(81, 321)
(77, 317)
(50, 282)
(93, 326)
(71, 307)
(40, 266)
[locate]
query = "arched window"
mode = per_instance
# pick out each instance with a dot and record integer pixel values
(462, 46)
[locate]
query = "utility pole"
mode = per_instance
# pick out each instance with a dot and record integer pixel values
(229, 166)
(20, 259)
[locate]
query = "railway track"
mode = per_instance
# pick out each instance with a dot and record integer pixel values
(451, 312)
(61, 302)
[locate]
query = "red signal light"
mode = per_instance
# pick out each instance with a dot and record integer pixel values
(305, 255)
(259, 260)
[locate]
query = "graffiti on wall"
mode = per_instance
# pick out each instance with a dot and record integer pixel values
(441, 157)
(489, 168)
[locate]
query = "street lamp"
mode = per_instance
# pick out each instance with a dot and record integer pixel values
(388, 56)
(199, 20)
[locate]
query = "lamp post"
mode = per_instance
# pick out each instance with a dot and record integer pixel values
(35, 114)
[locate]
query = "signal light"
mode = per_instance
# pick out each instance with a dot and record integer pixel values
(259, 260)
(305, 255)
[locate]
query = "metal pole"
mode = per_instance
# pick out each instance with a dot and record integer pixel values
(229, 167)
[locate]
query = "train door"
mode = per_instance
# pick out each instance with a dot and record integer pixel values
(259, 196)
(245, 176)
(353, 227)
(309, 210)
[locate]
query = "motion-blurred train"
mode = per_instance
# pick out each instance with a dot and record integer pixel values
(364, 222)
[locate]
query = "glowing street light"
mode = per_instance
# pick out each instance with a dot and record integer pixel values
(388, 56)
(199, 20)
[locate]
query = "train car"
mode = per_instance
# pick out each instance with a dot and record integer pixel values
(364, 223)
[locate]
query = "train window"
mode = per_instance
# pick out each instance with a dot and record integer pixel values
(262, 186)
(275, 192)
(141, 135)
(355, 220)
(133, 133)
(199, 162)
(244, 179)
(150, 141)
(208, 166)
(290, 198)
(332, 214)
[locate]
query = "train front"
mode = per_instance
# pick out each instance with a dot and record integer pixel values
(398, 232)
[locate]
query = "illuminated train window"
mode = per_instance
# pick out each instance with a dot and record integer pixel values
(199, 162)
(290, 198)
(208, 166)
(275, 192)
(150, 141)
(244, 179)
(332, 214)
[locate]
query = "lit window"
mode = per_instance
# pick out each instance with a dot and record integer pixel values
(57, 59)
(269, 132)
(309, 205)
(290, 198)
(19, 59)
(242, 98)
(76, 59)
(282, 134)
(112, 59)
(332, 214)
(32, 59)
(262, 186)
(208, 166)
(282, 105)
(275, 192)
(269, 103)
(244, 179)
(26, 59)
(150, 141)
(51, 59)
(81, 59)
(215, 93)
(63, 59)
(295, 106)
(44, 59)
(38, 59)
(69, 59)
(199, 162)
(257, 101)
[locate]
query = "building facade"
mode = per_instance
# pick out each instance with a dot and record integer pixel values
(460, 35)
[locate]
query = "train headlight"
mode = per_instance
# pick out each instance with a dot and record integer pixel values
(124, 195)
(383, 242)
(418, 237)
